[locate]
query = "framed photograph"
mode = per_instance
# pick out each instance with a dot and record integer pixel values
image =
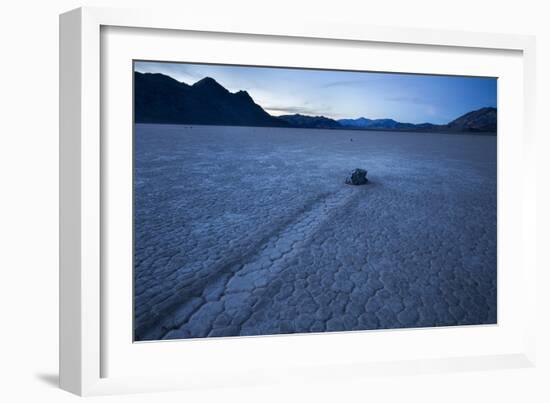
(236, 199)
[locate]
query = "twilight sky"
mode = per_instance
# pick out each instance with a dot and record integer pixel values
(408, 98)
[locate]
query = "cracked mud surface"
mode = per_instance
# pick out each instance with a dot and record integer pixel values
(249, 231)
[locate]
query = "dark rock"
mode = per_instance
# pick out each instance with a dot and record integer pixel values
(357, 177)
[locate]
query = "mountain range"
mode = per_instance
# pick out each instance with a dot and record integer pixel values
(159, 98)
(483, 120)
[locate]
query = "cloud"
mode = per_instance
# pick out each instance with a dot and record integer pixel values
(431, 110)
(290, 110)
(409, 100)
(345, 83)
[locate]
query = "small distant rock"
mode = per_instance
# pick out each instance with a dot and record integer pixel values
(357, 177)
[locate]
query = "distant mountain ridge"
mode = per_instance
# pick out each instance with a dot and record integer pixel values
(159, 98)
(310, 122)
(385, 124)
(481, 120)
(369, 123)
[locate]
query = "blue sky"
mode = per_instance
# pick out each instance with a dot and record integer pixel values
(343, 94)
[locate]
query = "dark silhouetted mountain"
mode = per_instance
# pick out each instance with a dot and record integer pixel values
(482, 120)
(310, 122)
(161, 99)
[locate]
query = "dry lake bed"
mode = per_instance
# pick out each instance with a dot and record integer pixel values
(252, 231)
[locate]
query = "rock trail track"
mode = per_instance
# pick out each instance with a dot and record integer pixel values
(234, 286)
(411, 249)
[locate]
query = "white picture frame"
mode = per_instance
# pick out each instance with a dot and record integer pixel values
(86, 311)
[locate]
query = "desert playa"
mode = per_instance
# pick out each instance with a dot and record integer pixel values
(249, 231)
